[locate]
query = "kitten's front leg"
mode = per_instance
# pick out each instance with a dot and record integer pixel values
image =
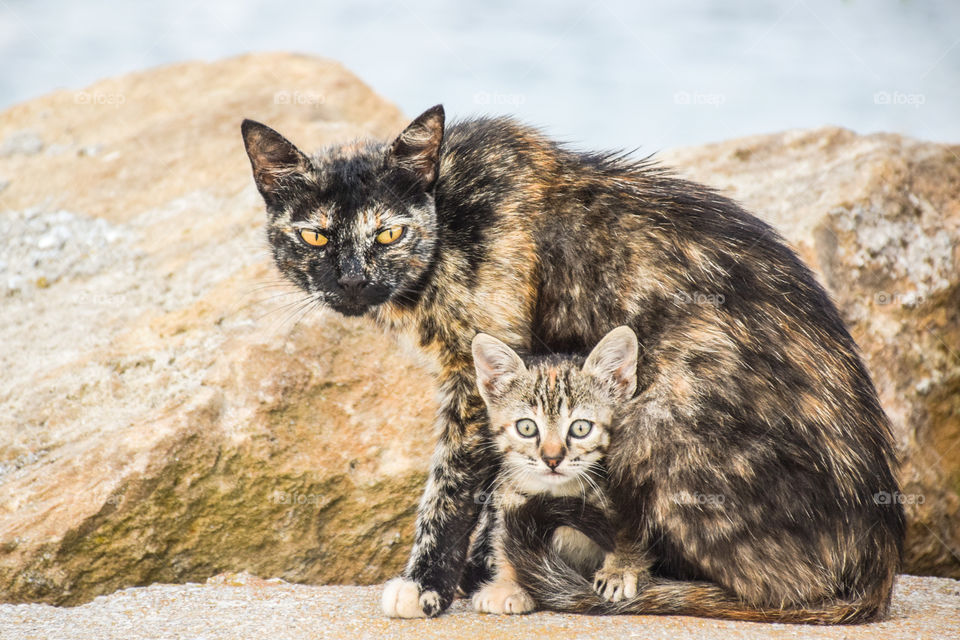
(448, 510)
(624, 570)
(503, 594)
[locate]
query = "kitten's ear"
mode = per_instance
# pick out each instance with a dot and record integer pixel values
(614, 361)
(417, 149)
(272, 157)
(497, 365)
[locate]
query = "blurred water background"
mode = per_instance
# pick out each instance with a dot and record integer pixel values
(605, 73)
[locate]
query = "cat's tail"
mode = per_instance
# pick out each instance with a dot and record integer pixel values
(556, 586)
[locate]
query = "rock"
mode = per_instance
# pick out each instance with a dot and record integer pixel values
(170, 410)
(164, 414)
(242, 606)
(878, 218)
(21, 143)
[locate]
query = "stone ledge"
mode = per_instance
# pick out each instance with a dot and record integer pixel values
(244, 607)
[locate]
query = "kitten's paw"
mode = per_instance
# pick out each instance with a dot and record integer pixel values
(616, 584)
(503, 597)
(402, 599)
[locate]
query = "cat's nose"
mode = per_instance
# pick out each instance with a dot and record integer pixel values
(353, 284)
(552, 461)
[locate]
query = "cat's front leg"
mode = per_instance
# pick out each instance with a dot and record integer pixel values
(625, 569)
(462, 466)
(503, 594)
(480, 565)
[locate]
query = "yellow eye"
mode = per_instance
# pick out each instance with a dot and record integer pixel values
(527, 428)
(581, 428)
(313, 238)
(390, 235)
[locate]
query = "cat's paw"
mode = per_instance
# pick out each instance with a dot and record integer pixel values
(402, 599)
(616, 584)
(503, 597)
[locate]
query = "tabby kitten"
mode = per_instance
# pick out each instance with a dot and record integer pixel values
(550, 422)
(748, 384)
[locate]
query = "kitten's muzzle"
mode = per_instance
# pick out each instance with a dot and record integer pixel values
(552, 461)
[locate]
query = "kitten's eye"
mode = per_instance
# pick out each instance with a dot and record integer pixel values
(390, 235)
(581, 428)
(527, 428)
(313, 238)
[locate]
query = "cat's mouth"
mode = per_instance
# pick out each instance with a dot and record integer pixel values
(350, 310)
(552, 475)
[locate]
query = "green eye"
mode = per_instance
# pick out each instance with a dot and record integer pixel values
(527, 428)
(581, 428)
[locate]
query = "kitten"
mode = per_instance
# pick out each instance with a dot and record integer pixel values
(550, 422)
(748, 385)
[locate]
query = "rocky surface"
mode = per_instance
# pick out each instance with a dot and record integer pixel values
(168, 411)
(243, 607)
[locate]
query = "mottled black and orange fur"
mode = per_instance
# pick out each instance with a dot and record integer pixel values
(749, 386)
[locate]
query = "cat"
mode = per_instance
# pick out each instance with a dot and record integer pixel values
(553, 420)
(550, 420)
(748, 384)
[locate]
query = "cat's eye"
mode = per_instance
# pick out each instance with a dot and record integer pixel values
(581, 428)
(313, 237)
(390, 234)
(527, 428)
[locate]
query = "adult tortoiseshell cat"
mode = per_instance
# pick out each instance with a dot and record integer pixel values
(489, 226)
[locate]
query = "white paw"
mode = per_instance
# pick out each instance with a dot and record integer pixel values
(616, 584)
(503, 597)
(402, 599)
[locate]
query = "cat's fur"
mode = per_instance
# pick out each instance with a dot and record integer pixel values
(544, 549)
(749, 385)
(555, 394)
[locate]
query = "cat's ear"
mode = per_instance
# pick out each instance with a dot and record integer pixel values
(272, 157)
(417, 149)
(614, 362)
(497, 365)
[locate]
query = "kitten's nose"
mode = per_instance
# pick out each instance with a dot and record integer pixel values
(552, 461)
(352, 284)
